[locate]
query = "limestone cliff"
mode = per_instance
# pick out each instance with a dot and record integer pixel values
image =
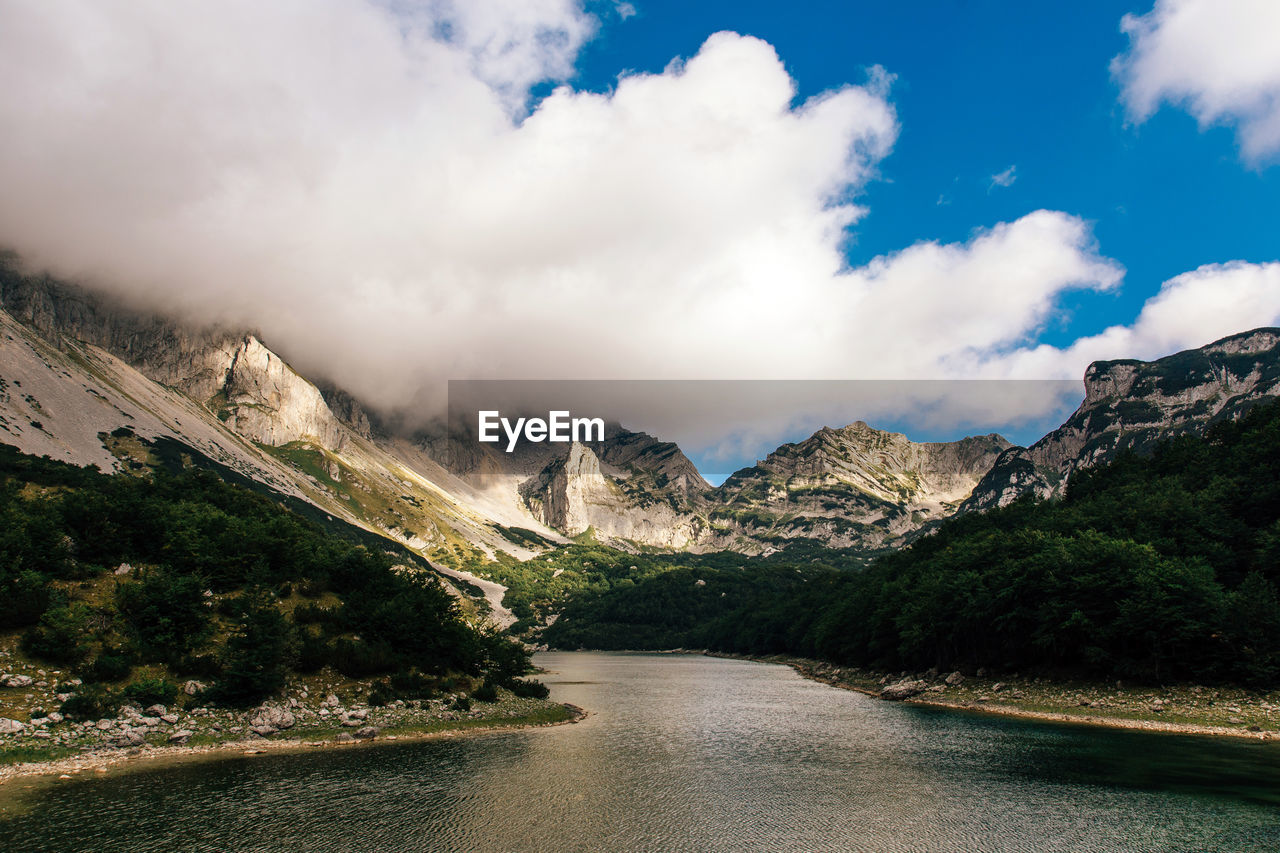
(854, 487)
(250, 387)
(1131, 405)
(572, 494)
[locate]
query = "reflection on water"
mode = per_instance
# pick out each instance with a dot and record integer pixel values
(687, 753)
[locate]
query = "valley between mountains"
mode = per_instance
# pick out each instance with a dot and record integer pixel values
(1115, 546)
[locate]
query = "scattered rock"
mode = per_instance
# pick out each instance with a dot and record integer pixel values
(955, 678)
(191, 688)
(123, 569)
(904, 689)
(128, 738)
(171, 719)
(345, 737)
(17, 681)
(263, 731)
(157, 710)
(9, 727)
(367, 733)
(181, 736)
(274, 717)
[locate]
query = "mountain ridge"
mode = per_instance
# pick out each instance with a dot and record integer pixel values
(852, 487)
(1131, 404)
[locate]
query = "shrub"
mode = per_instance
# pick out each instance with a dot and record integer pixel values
(410, 684)
(151, 691)
(313, 653)
(486, 692)
(205, 665)
(107, 666)
(166, 613)
(381, 694)
(356, 659)
(59, 637)
(90, 703)
(257, 654)
(24, 596)
(528, 688)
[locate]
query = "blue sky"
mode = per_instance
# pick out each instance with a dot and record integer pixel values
(982, 86)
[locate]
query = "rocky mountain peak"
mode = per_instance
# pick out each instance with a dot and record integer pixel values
(1131, 405)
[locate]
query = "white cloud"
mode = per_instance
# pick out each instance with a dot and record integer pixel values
(1192, 309)
(1215, 58)
(360, 183)
(1004, 179)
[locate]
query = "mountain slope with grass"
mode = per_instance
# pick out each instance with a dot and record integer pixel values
(131, 585)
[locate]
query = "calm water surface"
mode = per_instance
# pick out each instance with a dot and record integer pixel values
(687, 753)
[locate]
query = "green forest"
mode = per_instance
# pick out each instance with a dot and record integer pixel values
(136, 580)
(1158, 568)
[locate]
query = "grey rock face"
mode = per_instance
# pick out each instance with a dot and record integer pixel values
(253, 390)
(852, 487)
(1132, 405)
(630, 487)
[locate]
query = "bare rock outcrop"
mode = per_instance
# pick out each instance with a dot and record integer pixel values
(1133, 405)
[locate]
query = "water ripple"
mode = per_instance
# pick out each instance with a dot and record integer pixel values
(686, 753)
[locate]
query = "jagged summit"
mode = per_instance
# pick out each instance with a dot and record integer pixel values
(856, 486)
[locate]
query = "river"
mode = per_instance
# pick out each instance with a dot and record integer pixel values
(689, 753)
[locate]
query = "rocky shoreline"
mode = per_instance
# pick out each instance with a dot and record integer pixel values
(1181, 709)
(503, 716)
(322, 710)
